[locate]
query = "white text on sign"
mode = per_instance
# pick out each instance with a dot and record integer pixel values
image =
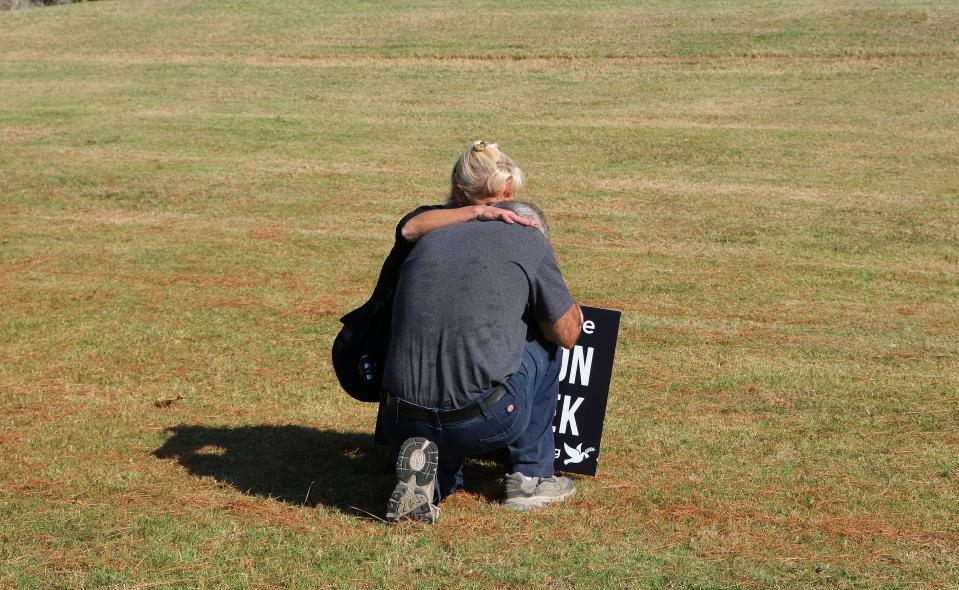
(567, 416)
(579, 366)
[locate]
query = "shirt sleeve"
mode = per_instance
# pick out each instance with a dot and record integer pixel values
(411, 215)
(549, 296)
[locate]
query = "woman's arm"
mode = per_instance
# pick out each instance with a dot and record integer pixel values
(424, 223)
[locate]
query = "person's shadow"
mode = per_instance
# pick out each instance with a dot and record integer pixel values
(301, 465)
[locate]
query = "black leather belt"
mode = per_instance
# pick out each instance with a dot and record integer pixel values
(420, 413)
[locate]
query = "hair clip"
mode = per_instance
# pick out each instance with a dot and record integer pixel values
(479, 146)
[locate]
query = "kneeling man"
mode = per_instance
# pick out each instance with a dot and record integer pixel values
(473, 366)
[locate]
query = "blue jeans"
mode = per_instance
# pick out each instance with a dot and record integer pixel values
(521, 421)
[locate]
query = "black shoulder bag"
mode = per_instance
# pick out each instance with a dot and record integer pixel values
(359, 350)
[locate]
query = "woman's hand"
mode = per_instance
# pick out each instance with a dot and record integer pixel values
(487, 213)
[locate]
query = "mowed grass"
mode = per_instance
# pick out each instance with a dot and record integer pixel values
(191, 194)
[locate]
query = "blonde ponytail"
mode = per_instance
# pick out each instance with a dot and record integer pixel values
(482, 170)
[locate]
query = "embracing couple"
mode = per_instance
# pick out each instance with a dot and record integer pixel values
(478, 312)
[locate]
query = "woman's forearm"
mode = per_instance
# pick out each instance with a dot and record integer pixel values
(424, 223)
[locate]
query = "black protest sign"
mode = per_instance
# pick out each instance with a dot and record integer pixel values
(583, 391)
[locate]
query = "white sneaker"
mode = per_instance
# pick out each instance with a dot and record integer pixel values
(412, 498)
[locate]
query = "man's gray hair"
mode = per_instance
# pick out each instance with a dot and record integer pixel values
(527, 210)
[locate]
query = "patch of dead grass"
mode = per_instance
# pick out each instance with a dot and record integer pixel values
(831, 196)
(309, 309)
(752, 62)
(194, 279)
(852, 527)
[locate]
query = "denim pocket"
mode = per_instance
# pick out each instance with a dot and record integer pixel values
(502, 423)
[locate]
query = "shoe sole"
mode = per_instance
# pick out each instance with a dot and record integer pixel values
(533, 502)
(412, 498)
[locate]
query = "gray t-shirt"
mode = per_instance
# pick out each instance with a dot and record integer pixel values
(459, 315)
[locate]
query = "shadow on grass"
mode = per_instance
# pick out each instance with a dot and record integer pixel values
(301, 465)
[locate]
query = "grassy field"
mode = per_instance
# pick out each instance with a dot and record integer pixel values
(192, 193)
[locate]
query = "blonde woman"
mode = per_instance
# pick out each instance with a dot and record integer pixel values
(482, 175)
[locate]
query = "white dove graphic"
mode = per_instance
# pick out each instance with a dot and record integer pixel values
(578, 454)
